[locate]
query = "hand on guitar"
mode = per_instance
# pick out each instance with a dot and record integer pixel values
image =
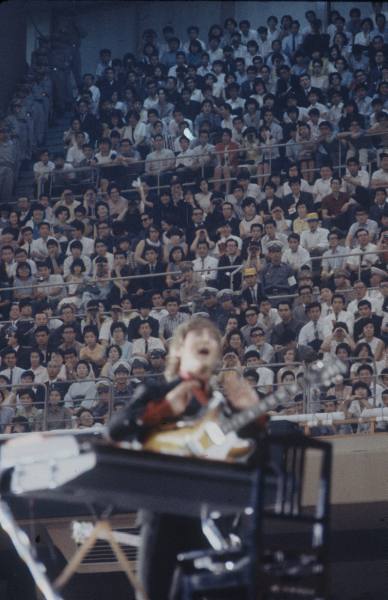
(180, 396)
(238, 391)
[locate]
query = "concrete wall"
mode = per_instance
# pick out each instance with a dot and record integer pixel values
(12, 48)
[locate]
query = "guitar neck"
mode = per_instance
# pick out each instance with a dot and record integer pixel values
(318, 372)
(244, 417)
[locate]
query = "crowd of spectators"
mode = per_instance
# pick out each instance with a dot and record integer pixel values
(240, 173)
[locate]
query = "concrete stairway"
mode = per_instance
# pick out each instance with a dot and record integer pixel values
(54, 143)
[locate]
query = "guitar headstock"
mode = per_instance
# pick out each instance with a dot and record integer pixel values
(319, 372)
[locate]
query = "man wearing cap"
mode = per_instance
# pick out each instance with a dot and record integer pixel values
(277, 278)
(209, 302)
(251, 292)
(226, 308)
(342, 284)
(157, 360)
(100, 408)
(191, 284)
(315, 240)
(251, 319)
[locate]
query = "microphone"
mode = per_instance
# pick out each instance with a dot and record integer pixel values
(123, 424)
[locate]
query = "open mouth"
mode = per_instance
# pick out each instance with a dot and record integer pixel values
(204, 351)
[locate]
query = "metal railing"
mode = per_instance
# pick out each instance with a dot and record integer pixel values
(238, 268)
(311, 415)
(200, 167)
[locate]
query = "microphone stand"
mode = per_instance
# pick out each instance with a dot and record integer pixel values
(24, 549)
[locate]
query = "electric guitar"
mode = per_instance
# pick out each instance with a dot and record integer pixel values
(214, 436)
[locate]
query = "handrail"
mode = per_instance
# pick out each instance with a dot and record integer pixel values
(264, 147)
(164, 274)
(221, 153)
(105, 279)
(304, 417)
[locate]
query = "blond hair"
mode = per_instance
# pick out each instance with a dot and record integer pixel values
(174, 356)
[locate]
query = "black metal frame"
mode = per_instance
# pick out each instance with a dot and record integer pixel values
(267, 571)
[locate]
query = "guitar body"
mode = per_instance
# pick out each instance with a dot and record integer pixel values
(204, 439)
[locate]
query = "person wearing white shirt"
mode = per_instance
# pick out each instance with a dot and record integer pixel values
(185, 157)
(363, 38)
(87, 245)
(43, 167)
(158, 313)
(337, 312)
(75, 155)
(380, 177)
(161, 159)
(108, 255)
(273, 31)
(264, 46)
(295, 255)
(11, 371)
(205, 264)
(255, 361)
(135, 131)
(361, 293)
(292, 42)
(271, 236)
(39, 247)
(246, 33)
(193, 32)
(333, 259)
(312, 334)
(355, 176)
(362, 222)
(69, 261)
(315, 239)
(95, 92)
(214, 51)
(11, 271)
(203, 152)
(322, 186)
(364, 255)
(266, 379)
(143, 346)
(176, 122)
